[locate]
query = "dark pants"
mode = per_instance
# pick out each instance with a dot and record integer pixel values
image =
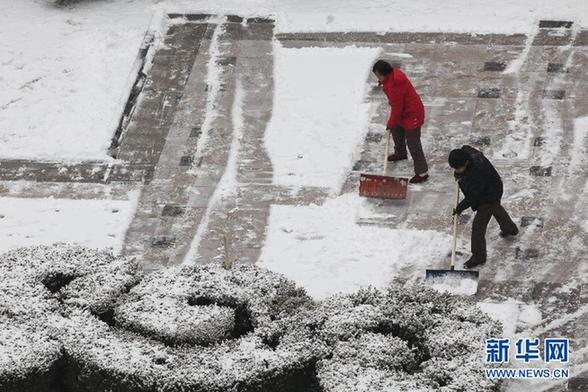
(412, 137)
(481, 220)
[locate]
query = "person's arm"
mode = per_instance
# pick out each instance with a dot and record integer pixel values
(462, 206)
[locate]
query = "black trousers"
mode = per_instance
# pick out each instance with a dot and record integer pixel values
(481, 220)
(412, 138)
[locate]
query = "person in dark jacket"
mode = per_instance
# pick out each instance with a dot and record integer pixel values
(406, 117)
(482, 187)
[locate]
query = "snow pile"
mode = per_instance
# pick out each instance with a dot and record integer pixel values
(319, 117)
(206, 304)
(455, 285)
(399, 340)
(324, 250)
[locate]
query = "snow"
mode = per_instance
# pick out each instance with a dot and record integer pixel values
(578, 154)
(213, 83)
(93, 223)
(63, 77)
(322, 248)
(319, 117)
(227, 184)
(385, 360)
(205, 304)
(65, 71)
(454, 285)
(478, 16)
(514, 315)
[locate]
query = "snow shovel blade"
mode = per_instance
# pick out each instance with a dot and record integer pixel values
(436, 274)
(459, 282)
(383, 187)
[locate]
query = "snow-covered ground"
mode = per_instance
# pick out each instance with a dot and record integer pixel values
(64, 71)
(323, 249)
(62, 76)
(93, 223)
(318, 119)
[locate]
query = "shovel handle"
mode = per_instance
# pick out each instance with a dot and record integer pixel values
(454, 241)
(387, 151)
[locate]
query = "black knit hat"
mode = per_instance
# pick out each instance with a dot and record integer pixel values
(458, 158)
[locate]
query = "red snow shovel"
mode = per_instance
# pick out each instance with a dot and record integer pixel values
(465, 282)
(383, 187)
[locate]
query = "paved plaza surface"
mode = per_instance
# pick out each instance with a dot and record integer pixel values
(468, 99)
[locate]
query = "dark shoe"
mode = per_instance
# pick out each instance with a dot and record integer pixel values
(418, 179)
(394, 158)
(506, 235)
(473, 262)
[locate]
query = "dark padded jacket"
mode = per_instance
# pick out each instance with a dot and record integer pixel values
(480, 183)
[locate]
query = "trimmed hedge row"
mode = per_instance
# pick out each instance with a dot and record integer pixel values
(407, 338)
(36, 284)
(75, 319)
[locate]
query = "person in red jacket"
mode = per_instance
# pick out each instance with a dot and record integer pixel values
(406, 117)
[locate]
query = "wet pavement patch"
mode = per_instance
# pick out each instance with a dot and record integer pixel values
(554, 94)
(172, 210)
(540, 171)
(189, 17)
(531, 220)
(578, 384)
(362, 165)
(463, 219)
(229, 60)
(538, 141)
(489, 93)
(481, 141)
(374, 137)
(526, 254)
(494, 66)
(195, 132)
(556, 68)
(186, 160)
(555, 24)
(163, 242)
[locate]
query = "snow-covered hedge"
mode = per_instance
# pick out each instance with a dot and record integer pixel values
(407, 338)
(103, 358)
(207, 304)
(199, 328)
(37, 284)
(81, 318)
(29, 356)
(41, 278)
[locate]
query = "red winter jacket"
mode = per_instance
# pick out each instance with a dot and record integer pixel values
(407, 108)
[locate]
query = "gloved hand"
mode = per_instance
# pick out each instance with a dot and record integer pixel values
(461, 207)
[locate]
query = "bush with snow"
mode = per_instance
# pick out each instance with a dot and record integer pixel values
(207, 304)
(199, 328)
(104, 358)
(37, 284)
(29, 355)
(407, 338)
(42, 278)
(83, 320)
